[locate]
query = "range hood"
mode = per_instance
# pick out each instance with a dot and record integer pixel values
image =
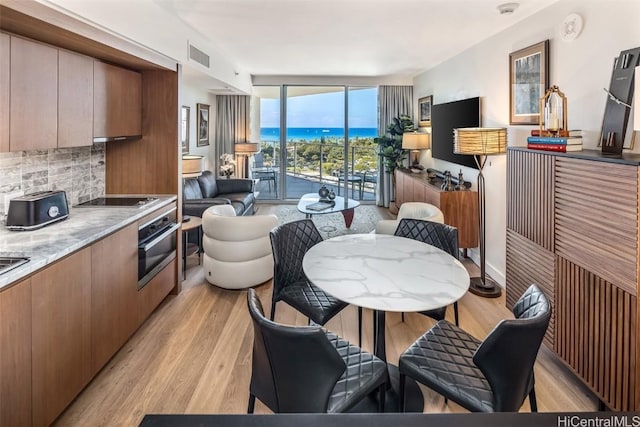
(116, 138)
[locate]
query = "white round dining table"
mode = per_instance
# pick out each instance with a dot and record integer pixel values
(386, 273)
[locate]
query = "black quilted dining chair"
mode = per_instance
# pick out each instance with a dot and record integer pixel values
(494, 375)
(289, 243)
(442, 236)
(304, 369)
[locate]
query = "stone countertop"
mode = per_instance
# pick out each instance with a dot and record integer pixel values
(84, 226)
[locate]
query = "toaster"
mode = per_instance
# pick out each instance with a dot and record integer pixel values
(35, 210)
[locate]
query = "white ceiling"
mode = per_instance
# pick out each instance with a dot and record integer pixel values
(344, 37)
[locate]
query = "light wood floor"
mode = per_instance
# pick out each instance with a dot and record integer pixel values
(193, 355)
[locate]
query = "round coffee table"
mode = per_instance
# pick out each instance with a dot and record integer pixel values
(340, 204)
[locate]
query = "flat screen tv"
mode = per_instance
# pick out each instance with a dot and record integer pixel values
(447, 117)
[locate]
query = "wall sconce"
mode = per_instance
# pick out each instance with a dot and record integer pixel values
(415, 142)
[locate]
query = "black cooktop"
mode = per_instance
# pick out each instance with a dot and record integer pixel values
(118, 201)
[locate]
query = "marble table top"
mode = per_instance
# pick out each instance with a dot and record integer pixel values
(383, 272)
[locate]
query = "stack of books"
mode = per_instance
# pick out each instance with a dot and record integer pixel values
(563, 144)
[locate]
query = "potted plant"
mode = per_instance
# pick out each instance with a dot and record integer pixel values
(390, 146)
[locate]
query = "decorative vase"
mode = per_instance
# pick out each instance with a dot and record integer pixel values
(331, 195)
(323, 192)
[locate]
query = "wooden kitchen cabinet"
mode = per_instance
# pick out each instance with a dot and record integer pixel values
(61, 328)
(117, 102)
(113, 294)
(15, 355)
(460, 208)
(33, 122)
(156, 290)
(75, 100)
(5, 49)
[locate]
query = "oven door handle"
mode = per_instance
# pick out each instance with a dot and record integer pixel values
(160, 238)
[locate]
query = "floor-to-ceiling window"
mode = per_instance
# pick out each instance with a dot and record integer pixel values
(316, 135)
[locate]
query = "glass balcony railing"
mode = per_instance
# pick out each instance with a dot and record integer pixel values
(308, 165)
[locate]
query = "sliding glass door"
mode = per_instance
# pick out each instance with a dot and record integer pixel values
(314, 138)
(319, 135)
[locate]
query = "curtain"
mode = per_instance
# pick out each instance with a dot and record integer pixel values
(392, 101)
(232, 124)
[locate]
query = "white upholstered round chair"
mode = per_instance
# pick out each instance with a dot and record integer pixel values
(237, 249)
(415, 210)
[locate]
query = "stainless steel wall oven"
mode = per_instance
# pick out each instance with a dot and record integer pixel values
(157, 244)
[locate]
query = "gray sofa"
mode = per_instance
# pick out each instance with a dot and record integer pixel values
(207, 190)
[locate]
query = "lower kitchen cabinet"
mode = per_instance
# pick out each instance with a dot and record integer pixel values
(114, 279)
(15, 355)
(61, 335)
(60, 327)
(156, 290)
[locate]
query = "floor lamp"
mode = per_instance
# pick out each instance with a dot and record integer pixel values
(246, 150)
(481, 142)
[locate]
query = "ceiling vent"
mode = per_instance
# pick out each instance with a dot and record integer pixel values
(198, 56)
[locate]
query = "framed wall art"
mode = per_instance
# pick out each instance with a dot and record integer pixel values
(424, 111)
(203, 124)
(528, 81)
(185, 112)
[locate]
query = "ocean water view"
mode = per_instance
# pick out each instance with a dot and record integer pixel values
(310, 134)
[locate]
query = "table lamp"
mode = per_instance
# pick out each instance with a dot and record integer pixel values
(480, 142)
(246, 150)
(192, 165)
(415, 142)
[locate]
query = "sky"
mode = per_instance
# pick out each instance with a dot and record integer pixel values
(325, 110)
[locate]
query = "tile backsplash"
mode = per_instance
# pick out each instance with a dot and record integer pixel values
(79, 171)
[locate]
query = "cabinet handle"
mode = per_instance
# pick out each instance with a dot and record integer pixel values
(160, 238)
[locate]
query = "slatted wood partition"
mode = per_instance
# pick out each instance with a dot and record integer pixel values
(597, 334)
(529, 263)
(596, 216)
(592, 232)
(530, 189)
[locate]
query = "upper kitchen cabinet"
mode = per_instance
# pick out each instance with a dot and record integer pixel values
(75, 100)
(117, 101)
(4, 91)
(33, 122)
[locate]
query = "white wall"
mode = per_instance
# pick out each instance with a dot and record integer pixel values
(190, 96)
(149, 24)
(581, 68)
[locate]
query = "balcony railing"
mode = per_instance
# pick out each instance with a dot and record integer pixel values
(323, 163)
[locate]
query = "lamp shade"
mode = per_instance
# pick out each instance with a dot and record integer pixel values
(246, 147)
(480, 141)
(415, 141)
(192, 166)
